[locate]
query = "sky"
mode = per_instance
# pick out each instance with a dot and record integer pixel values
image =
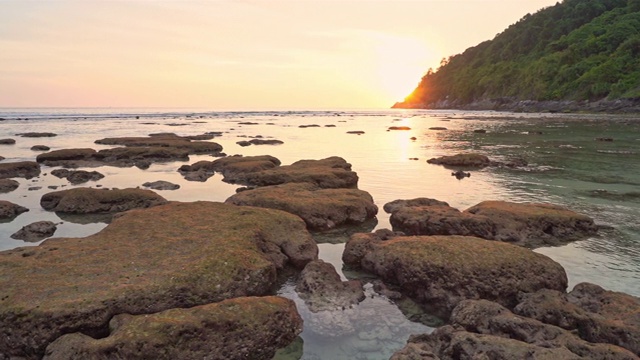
(241, 55)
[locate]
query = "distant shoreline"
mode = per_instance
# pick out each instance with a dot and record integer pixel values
(620, 106)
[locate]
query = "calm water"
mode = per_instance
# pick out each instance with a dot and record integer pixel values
(567, 167)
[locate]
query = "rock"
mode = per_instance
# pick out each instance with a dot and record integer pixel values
(438, 128)
(7, 141)
(35, 231)
(65, 155)
(528, 224)
(22, 169)
(356, 132)
(470, 160)
(231, 167)
(8, 185)
(121, 157)
(308, 126)
(265, 142)
(441, 271)
(40, 148)
(322, 289)
(460, 174)
(321, 209)
(177, 255)
(247, 123)
(241, 328)
(607, 139)
(413, 138)
(243, 143)
(34, 188)
(399, 128)
(9, 210)
(168, 141)
(480, 131)
(90, 201)
(161, 185)
(37, 134)
(77, 177)
(596, 315)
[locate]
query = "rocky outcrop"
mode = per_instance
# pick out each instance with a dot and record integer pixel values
(7, 141)
(78, 176)
(22, 169)
(526, 224)
(241, 328)
(481, 327)
(441, 271)
(161, 185)
(35, 231)
(595, 314)
(321, 209)
(231, 167)
(91, 201)
(177, 255)
(37, 134)
(166, 141)
(9, 210)
(8, 185)
(470, 160)
(260, 142)
(141, 157)
(322, 289)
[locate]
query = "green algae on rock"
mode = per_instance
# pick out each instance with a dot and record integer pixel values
(441, 271)
(240, 328)
(91, 201)
(147, 260)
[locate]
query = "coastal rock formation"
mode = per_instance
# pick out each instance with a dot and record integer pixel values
(141, 157)
(594, 314)
(91, 201)
(7, 141)
(322, 289)
(165, 140)
(526, 224)
(321, 209)
(8, 185)
(22, 169)
(78, 176)
(161, 185)
(177, 255)
(240, 328)
(441, 271)
(231, 167)
(9, 210)
(35, 231)
(481, 327)
(470, 160)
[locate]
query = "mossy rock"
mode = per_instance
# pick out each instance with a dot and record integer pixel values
(470, 160)
(170, 141)
(230, 167)
(176, 255)
(92, 201)
(241, 328)
(21, 169)
(321, 209)
(441, 271)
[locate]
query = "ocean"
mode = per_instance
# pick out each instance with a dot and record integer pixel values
(568, 166)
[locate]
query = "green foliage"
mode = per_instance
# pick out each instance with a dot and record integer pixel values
(574, 50)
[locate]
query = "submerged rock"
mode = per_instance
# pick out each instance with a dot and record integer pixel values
(470, 160)
(161, 185)
(322, 289)
(35, 231)
(77, 177)
(89, 201)
(241, 328)
(8, 185)
(9, 210)
(40, 148)
(441, 271)
(320, 208)
(22, 169)
(37, 134)
(525, 224)
(177, 255)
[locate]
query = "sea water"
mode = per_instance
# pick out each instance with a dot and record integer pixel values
(569, 164)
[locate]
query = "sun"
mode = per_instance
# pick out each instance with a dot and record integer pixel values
(400, 64)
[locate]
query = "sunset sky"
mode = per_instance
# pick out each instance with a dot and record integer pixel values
(245, 54)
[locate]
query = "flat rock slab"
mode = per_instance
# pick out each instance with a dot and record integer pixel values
(21, 169)
(321, 209)
(441, 271)
(8, 185)
(470, 160)
(161, 185)
(241, 328)
(141, 157)
(170, 141)
(36, 231)
(92, 201)
(9, 210)
(231, 167)
(176, 255)
(77, 176)
(526, 224)
(37, 134)
(40, 148)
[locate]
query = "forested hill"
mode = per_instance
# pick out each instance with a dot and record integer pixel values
(575, 52)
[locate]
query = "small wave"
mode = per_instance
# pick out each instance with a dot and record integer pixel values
(617, 152)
